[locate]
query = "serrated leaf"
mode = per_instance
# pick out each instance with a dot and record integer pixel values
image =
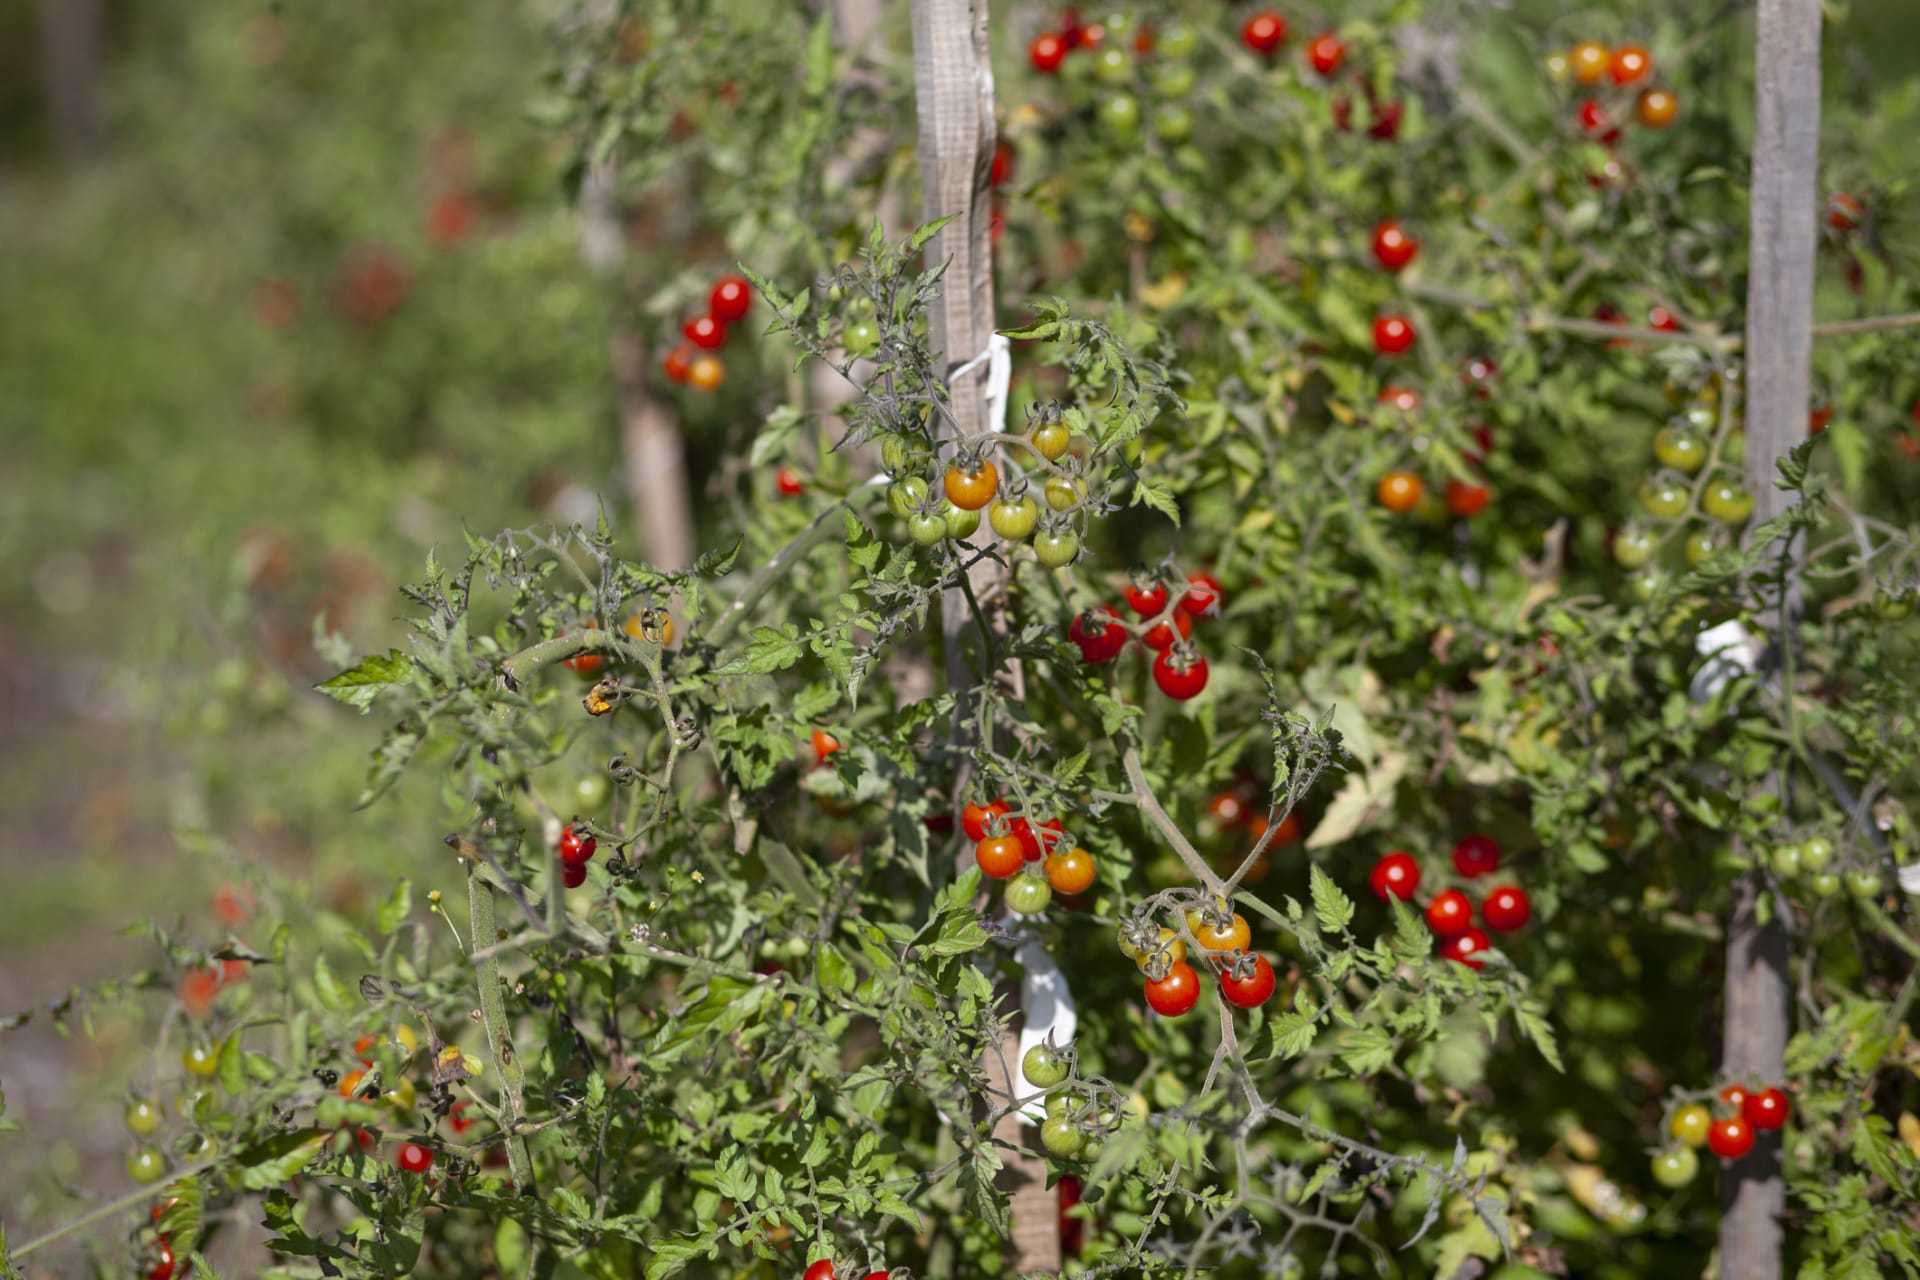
(272, 1162)
(1289, 1035)
(362, 685)
(398, 904)
(717, 562)
(1535, 1027)
(1367, 1051)
(769, 649)
(1332, 908)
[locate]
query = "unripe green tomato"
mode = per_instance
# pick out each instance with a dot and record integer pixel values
(1825, 884)
(902, 455)
(1058, 1105)
(1090, 1148)
(590, 790)
(1173, 124)
(1681, 448)
(1815, 853)
(1700, 418)
(1056, 548)
(1734, 451)
(1174, 82)
(1061, 1137)
(200, 1059)
(1702, 545)
(1063, 494)
(1676, 1167)
(961, 524)
(1028, 894)
(1050, 440)
(797, 947)
(926, 529)
(1645, 585)
(1121, 114)
(1786, 861)
(860, 338)
(1112, 65)
(905, 496)
(1727, 501)
(1690, 1124)
(1863, 884)
(1042, 1067)
(1117, 23)
(1893, 608)
(1632, 547)
(145, 1164)
(1662, 499)
(1014, 521)
(143, 1117)
(1175, 39)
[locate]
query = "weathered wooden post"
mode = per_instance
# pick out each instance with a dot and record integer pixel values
(1779, 343)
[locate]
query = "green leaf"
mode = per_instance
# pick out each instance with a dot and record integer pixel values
(272, 1162)
(328, 987)
(717, 562)
(983, 1199)
(1289, 1035)
(1368, 1050)
(362, 686)
(770, 649)
(390, 760)
(670, 1257)
(1149, 493)
(832, 969)
(925, 232)
(1535, 1027)
(232, 1072)
(1331, 907)
(394, 910)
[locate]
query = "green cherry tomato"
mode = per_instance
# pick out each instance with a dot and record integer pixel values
(960, 523)
(1061, 1137)
(903, 455)
(1675, 1168)
(1120, 113)
(1028, 894)
(1112, 65)
(1662, 499)
(1690, 1125)
(1893, 608)
(1645, 585)
(1173, 124)
(1056, 548)
(1863, 884)
(1058, 1106)
(1786, 861)
(1815, 853)
(590, 790)
(1063, 494)
(1681, 448)
(905, 496)
(860, 337)
(200, 1059)
(1174, 82)
(1015, 520)
(926, 529)
(1700, 418)
(1050, 440)
(143, 1117)
(145, 1164)
(1825, 884)
(1702, 545)
(1633, 547)
(1727, 501)
(1042, 1067)
(1175, 40)
(1734, 451)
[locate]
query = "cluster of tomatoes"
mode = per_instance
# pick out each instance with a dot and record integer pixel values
(1591, 64)
(693, 361)
(1179, 669)
(163, 1266)
(1744, 1113)
(1233, 812)
(1173, 987)
(1505, 908)
(1029, 856)
(576, 851)
(1810, 862)
(1402, 491)
(1691, 490)
(972, 483)
(823, 1270)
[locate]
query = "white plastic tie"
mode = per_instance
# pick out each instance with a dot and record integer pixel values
(1047, 1009)
(998, 357)
(1730, 650)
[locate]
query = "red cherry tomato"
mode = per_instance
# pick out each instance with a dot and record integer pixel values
(1162, 634)
(1393, 335)
(1326, 52)
(1179, 672)
(1630, 63)
(1767, 1109)
(976, 818)
(1147, 601)
(414, 1158)
(1730, 1138)
(1002, 163)
(999, 857)
(1098, 633)
(1227, 809)
(162, 1268)
(821, 1270)
(705, 332)
(678, 363)
(1476, 855)
(1036, 843)
(573, 874)
(1597, 122)
(1265, 33)
(1662, 319)
(1450, 912)
(1176, 993)
(1047, 52)
(1204, 597)
(789, 484)
(1393, 248)
(730, 300)
(824, 745)
(1396, 875)
(1072, 1229)
(1465, 947)
(576, 846)
(1506, 908)
(1251, 991)
(1405, 399)
(1467, 500)
(1735, 1096)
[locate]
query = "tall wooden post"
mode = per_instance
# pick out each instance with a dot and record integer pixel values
(953, 92)
(1779, 345)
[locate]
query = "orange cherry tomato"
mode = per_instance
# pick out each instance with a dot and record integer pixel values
(1399, 491)
(971, 486)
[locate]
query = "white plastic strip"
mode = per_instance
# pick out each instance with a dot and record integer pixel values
(1730, 650)
(1046, 1006)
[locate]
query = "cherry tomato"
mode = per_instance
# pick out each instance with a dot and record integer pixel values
(1043, 1066)
(1227, 809)
(1597, 122)
(999, 857)
(1162, 634)
(200, 1059)
(1204, 598)
(961, 524)
(1050, 440)
(1147, 600)
(1062, 493)
(1170, 942)
(1027, 894)
(1815, 853)
(1657, 108)
(1393, 335)
(705, 332)
(1251, 991)
(1036, 842)
(1014, 519)
(573, 874)
(904, 497)
(1046, 53)
(678, 362)
(1629, 63)
(1176, 993)
(1734, 1095)
(976, 818)
(1862, 883)
(576, 846)
(1766, 1110)
(1476, 855)
(1844, 212)
(1098, 633)
(789, 484)
(1061, 1137)
(1589, 61)
(1386, 120)
(1450, 912)
(1662, 499)
(142, 1117)
(1727, 501)
(1179, 672)
(1326, 52)
(1675, 1168)
(926, 529)
(1121, 113)
(1681, 447)
(1690, 1125)
(824, 745)
(1633, 548)
(1056, 548)
(1396, 875)
(707, 373)
(1265, 32)
(1467, 500)
(1506, 909)
(1236, 935)
(145, 1164)
(1662, 319)
(1465, 947)
(1730, 1138)
(730, 300)
(1070, 871)
(1393, 248)
(413, 1157)
(1405, 399)
(1399, 491)
(457, 1121)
